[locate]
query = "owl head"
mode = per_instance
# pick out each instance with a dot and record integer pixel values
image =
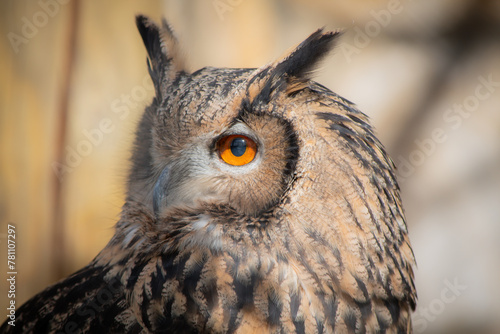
(224, 135)
(271, 149)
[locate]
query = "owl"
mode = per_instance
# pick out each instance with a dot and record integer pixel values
(258, 201)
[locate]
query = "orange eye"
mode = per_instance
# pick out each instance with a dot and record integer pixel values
(236, 150)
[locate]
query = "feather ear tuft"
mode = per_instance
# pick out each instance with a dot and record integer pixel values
(164, 59)
(302, 60)
(291, 71)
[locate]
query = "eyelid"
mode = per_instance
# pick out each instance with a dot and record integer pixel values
(238, 131)
(239, 128)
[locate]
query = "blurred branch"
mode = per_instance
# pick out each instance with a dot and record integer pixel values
(58, 233)
(473, 30)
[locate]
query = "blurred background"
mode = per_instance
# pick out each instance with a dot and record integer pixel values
(74, 82)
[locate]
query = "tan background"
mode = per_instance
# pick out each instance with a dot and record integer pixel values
(414, 61)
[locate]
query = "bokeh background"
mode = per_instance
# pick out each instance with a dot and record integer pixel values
(73, 83)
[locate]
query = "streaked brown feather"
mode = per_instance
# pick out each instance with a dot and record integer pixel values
(312, 240)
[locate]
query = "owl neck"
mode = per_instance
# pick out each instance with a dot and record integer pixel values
(242, 267)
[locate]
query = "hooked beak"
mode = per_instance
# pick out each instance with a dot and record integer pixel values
(159, 191)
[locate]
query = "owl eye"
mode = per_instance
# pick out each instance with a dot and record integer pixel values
(236, 150)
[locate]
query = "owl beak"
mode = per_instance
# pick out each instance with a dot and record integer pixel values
(159, 191)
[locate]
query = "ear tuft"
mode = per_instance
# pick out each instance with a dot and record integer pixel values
(164, 59)
(303, 59)
(292, 71)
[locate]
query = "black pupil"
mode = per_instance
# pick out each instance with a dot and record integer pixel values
(238, 147)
